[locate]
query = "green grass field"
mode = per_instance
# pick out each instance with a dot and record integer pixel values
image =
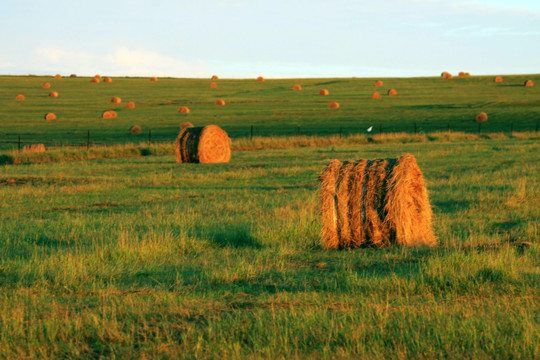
(138, 257)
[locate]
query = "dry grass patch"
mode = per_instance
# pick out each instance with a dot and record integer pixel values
(34, 148)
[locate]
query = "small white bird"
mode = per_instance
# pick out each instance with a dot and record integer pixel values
(370, 128)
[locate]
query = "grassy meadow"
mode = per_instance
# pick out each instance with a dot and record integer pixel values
(109, 254)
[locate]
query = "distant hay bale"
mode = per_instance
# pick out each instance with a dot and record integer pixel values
(297, 87)
(46, 85)
(34, 148)
(116, 100)
(448, 76)
(135, 129)
(481, 117)
(50, 116)
(498, 79)
(107, 79)
(73, 75)
(377, 203)
(20, 97)
(463, 74)
(184, 110)
(376, 95)
(378, 83)
(528, 83)
(53, 94)
(324, 92)
(97, 76)
(213, 85)
(130, 105)
(444, 74)
(215, 77)
(154, 78)
(185, 125)
(392, 92)
(57, 76)
(260, 79)
(95, 80)
(204, 144)
(333, 105)
(220, 102)
(109, 114)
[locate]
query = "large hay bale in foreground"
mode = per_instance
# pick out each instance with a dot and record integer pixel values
(481, 117)
(34, 148)
(529, 83)
(203, 144)
(378, 203)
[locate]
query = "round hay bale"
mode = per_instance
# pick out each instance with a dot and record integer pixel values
(378, 83)
(73, 75)
(333, 105)
(184, 110)
(498, 79)
(444, 74)
(204, 144)
(135, 129)
(154, 79)
(260, 79)
(220, 102)
(392, 92)
(50, 116)
(375, 203)
(116, 100)
(462, 74)
(448, 76)
(185, 125)
(324, 92)
(297, 87)
(213, 85)
(46, 85)
(481, 117)
(107, 79)
(376, 95)
(20, 97)
(34, 148)
(528, 83)
(215, 77)
(109, 114)
(53, 94)
(130, 105)
(57, 76)
(97, 76)
(95, 80)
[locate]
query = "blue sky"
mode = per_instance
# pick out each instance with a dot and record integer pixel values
(279, 38)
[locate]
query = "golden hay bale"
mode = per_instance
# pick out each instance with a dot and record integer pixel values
(378, 203)
(34, 148)
(528, 83)
(116, 100)
(220, 102)
(185, 125)
(376, 95)
(215, 77)
(260, 79)
(97, 76)
(184, 110)
(324, 92)
(50, 116)
(153, 78)
(498, 79)
(53, 94)
(204, 144)
(213, 85)
(481, 117)
(57, 76)
(95, 80)
(378, 83)
(73, 75)
(46, 85)
(109, 114)
(463, 74)
(333, 105)
(297, 87)
(107, 79)
(135, 129)
(448, 76)
(392, 92)
(130, 105)
(20, 97)
(444, 74)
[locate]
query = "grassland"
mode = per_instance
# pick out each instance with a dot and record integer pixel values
(138, 257)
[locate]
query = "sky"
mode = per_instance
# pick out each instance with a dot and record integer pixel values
(274, 39)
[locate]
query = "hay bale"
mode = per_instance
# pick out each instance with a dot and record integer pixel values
(528, 83)
(376, 95)
(324, 92)
(481, 117)
(184, 110)
(220, 102)
(130, 105)
(463, 74)
(46, 85)
(154, 79)
(498, 79)
(392, 92)
(95, 80)
(34, 148)
(297, 87)
(107, 79)
(215, 77)
(50, 116)
(53, 94)
(260, 79)
(57, 76)
(109, 114)
(375, 203)
(73, 75)
(213, 85)
(185, 125)
(444, 74)
(20, 97)
(116, 100)
(135, 129)
(333, 105)
(448, 76)
(204, 144)
(97, 76)
(378, 83)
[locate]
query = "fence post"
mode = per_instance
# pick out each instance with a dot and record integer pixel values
(88, 140)
(149, 136)
(251, 133)
(511, 128)
(340, 131)
(19, 143)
